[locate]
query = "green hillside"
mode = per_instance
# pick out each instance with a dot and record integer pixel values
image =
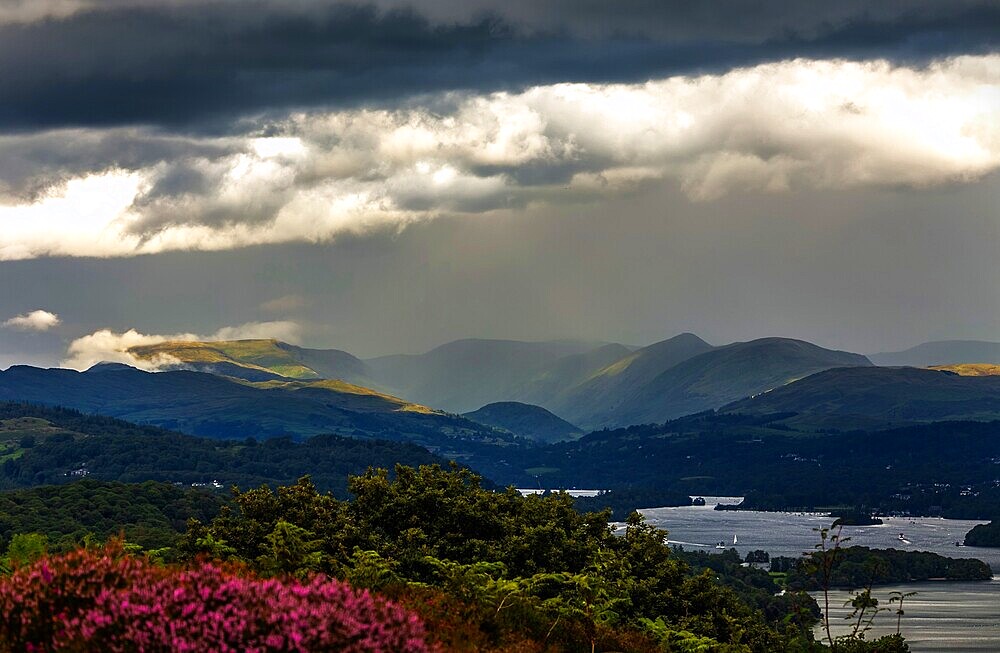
(879, 396)
(255, 360)
(43, 445)
(594, 400)
(215, 406)
(525, 420)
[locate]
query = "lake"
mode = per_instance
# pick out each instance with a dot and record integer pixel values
(944, 616)
(790, 534)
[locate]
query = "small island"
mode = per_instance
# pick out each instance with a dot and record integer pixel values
(860, 566)
(856, 517)
(984, 535)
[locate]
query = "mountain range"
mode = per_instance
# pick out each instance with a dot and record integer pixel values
(595, 386)
(693, 411)
(538, 391)
(590, 385)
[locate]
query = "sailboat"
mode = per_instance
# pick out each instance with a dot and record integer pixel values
(734, 540)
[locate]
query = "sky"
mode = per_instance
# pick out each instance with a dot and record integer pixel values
(385, 177)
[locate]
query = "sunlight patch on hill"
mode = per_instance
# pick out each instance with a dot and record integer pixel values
(970, 369)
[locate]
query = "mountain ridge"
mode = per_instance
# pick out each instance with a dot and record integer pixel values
(711, 379)
(254, 360)
(593, 385)
(209, 405)
(865, 397)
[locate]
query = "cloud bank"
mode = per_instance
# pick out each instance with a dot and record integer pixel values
(202, 64)
(313, 176)
(38, 320)
(109, 346)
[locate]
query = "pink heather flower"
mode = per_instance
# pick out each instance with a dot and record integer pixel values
(116, 603)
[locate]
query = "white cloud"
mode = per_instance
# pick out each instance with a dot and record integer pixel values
(775, 127)
(34, 321)
(106, 345)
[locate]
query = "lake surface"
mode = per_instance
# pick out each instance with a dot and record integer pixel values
(573, 493)
(791, 534)
(944, 616)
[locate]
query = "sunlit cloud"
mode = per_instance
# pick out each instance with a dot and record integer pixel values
(108, 346)
(37, 320)
(773, 128)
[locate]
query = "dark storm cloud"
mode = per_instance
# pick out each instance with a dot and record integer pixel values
(203, 65)
(30, 164)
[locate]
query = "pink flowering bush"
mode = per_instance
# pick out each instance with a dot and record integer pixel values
(105, 601)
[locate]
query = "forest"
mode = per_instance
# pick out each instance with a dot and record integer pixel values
(984, 535)
(43, 445)
(944, 469)
(476, 570)
(149, 514)
(859, 566)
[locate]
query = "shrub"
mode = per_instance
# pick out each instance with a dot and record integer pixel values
(108, 601)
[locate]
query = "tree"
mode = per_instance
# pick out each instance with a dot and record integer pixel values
(899, 597)
(822, 563)
(24, 549)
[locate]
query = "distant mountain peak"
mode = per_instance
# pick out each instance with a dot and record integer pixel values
(526, 420)
(687, 336)
(110, 366)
